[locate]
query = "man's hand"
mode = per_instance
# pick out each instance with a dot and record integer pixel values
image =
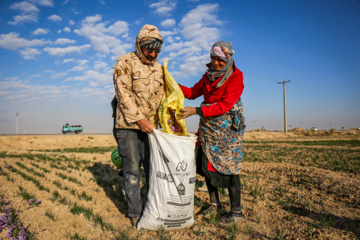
(146, 126)
(186, 112)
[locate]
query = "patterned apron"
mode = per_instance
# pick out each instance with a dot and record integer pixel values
(222, 139)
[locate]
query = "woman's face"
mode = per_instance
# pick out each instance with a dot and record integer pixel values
(217, 63)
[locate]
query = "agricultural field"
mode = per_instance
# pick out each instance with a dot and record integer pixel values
(301, 185)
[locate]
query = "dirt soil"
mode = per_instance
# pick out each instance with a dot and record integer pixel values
(323, 204)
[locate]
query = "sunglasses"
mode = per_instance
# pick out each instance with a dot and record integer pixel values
(150, 51)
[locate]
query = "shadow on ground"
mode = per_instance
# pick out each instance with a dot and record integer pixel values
(322, 220)
(110, 181)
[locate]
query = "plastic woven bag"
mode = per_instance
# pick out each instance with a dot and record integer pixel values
(171, 105)
(170, 200)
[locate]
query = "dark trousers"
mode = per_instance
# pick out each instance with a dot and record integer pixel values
(133, 148)
(234, 193)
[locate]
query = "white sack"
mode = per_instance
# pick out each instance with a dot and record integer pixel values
(170, 200)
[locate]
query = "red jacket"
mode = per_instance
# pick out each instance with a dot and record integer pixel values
(224, 97)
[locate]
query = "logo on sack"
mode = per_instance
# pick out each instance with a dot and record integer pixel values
(181, 189)
(181, 165)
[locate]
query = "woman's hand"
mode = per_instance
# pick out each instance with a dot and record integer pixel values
(186, 112)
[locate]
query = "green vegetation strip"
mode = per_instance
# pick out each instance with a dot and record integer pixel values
(71, 179)
(344, 160)
(29, 178)
(89, 215)
(85, 150)
(345, 143)
(29, 169)
(43, 157)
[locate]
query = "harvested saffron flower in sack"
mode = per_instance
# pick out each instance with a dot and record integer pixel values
(171, 105)
(173, 122)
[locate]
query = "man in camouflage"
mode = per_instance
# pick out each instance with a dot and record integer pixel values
(139, 88)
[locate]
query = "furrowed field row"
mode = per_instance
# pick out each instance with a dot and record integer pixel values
(330, 159)
(82, 196)
(44, 157)
(344, 143)
(76, 209)
(62, 163)
(100, 150)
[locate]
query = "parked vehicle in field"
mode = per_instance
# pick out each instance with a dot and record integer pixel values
(71, 129)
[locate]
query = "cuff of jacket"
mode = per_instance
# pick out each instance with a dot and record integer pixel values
(199, 111)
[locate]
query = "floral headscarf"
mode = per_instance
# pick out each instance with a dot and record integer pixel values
(224, 51)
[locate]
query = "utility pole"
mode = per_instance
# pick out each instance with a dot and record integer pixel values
(285, 123)
(17, 123)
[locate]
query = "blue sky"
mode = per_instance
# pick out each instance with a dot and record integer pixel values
(57, 58)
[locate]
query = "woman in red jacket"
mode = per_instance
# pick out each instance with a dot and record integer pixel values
(221, 128)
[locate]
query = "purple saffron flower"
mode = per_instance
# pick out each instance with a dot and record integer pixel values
(6, 166)
(33, 201)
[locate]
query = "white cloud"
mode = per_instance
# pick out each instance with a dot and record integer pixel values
(104, 39)
(59, 31)
(167, 33)
(64, 41)
(12, 41)
(118, 28)
(100, 64)
(67, 29)
(55, 18)
(71, 22)
(164, 7)
(169, 40)
(168, 23)
(66, 50)
(82, 62)
(59, 75)
(121, 49)
(176, 46)
(198, 25)
(46, 3)
(79, 68)
(29, 53)
(11, 78)
(24, 7)
(29, 13)
(68, 60)
(193, 66)
(137, 22)
(40, 31)
(23, 91)
(95, 78)
(200, 28)
(20, 19)
(185, 50)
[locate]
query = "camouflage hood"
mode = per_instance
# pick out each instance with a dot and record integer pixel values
(146, 31)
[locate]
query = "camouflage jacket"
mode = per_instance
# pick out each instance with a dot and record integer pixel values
(139, 85)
